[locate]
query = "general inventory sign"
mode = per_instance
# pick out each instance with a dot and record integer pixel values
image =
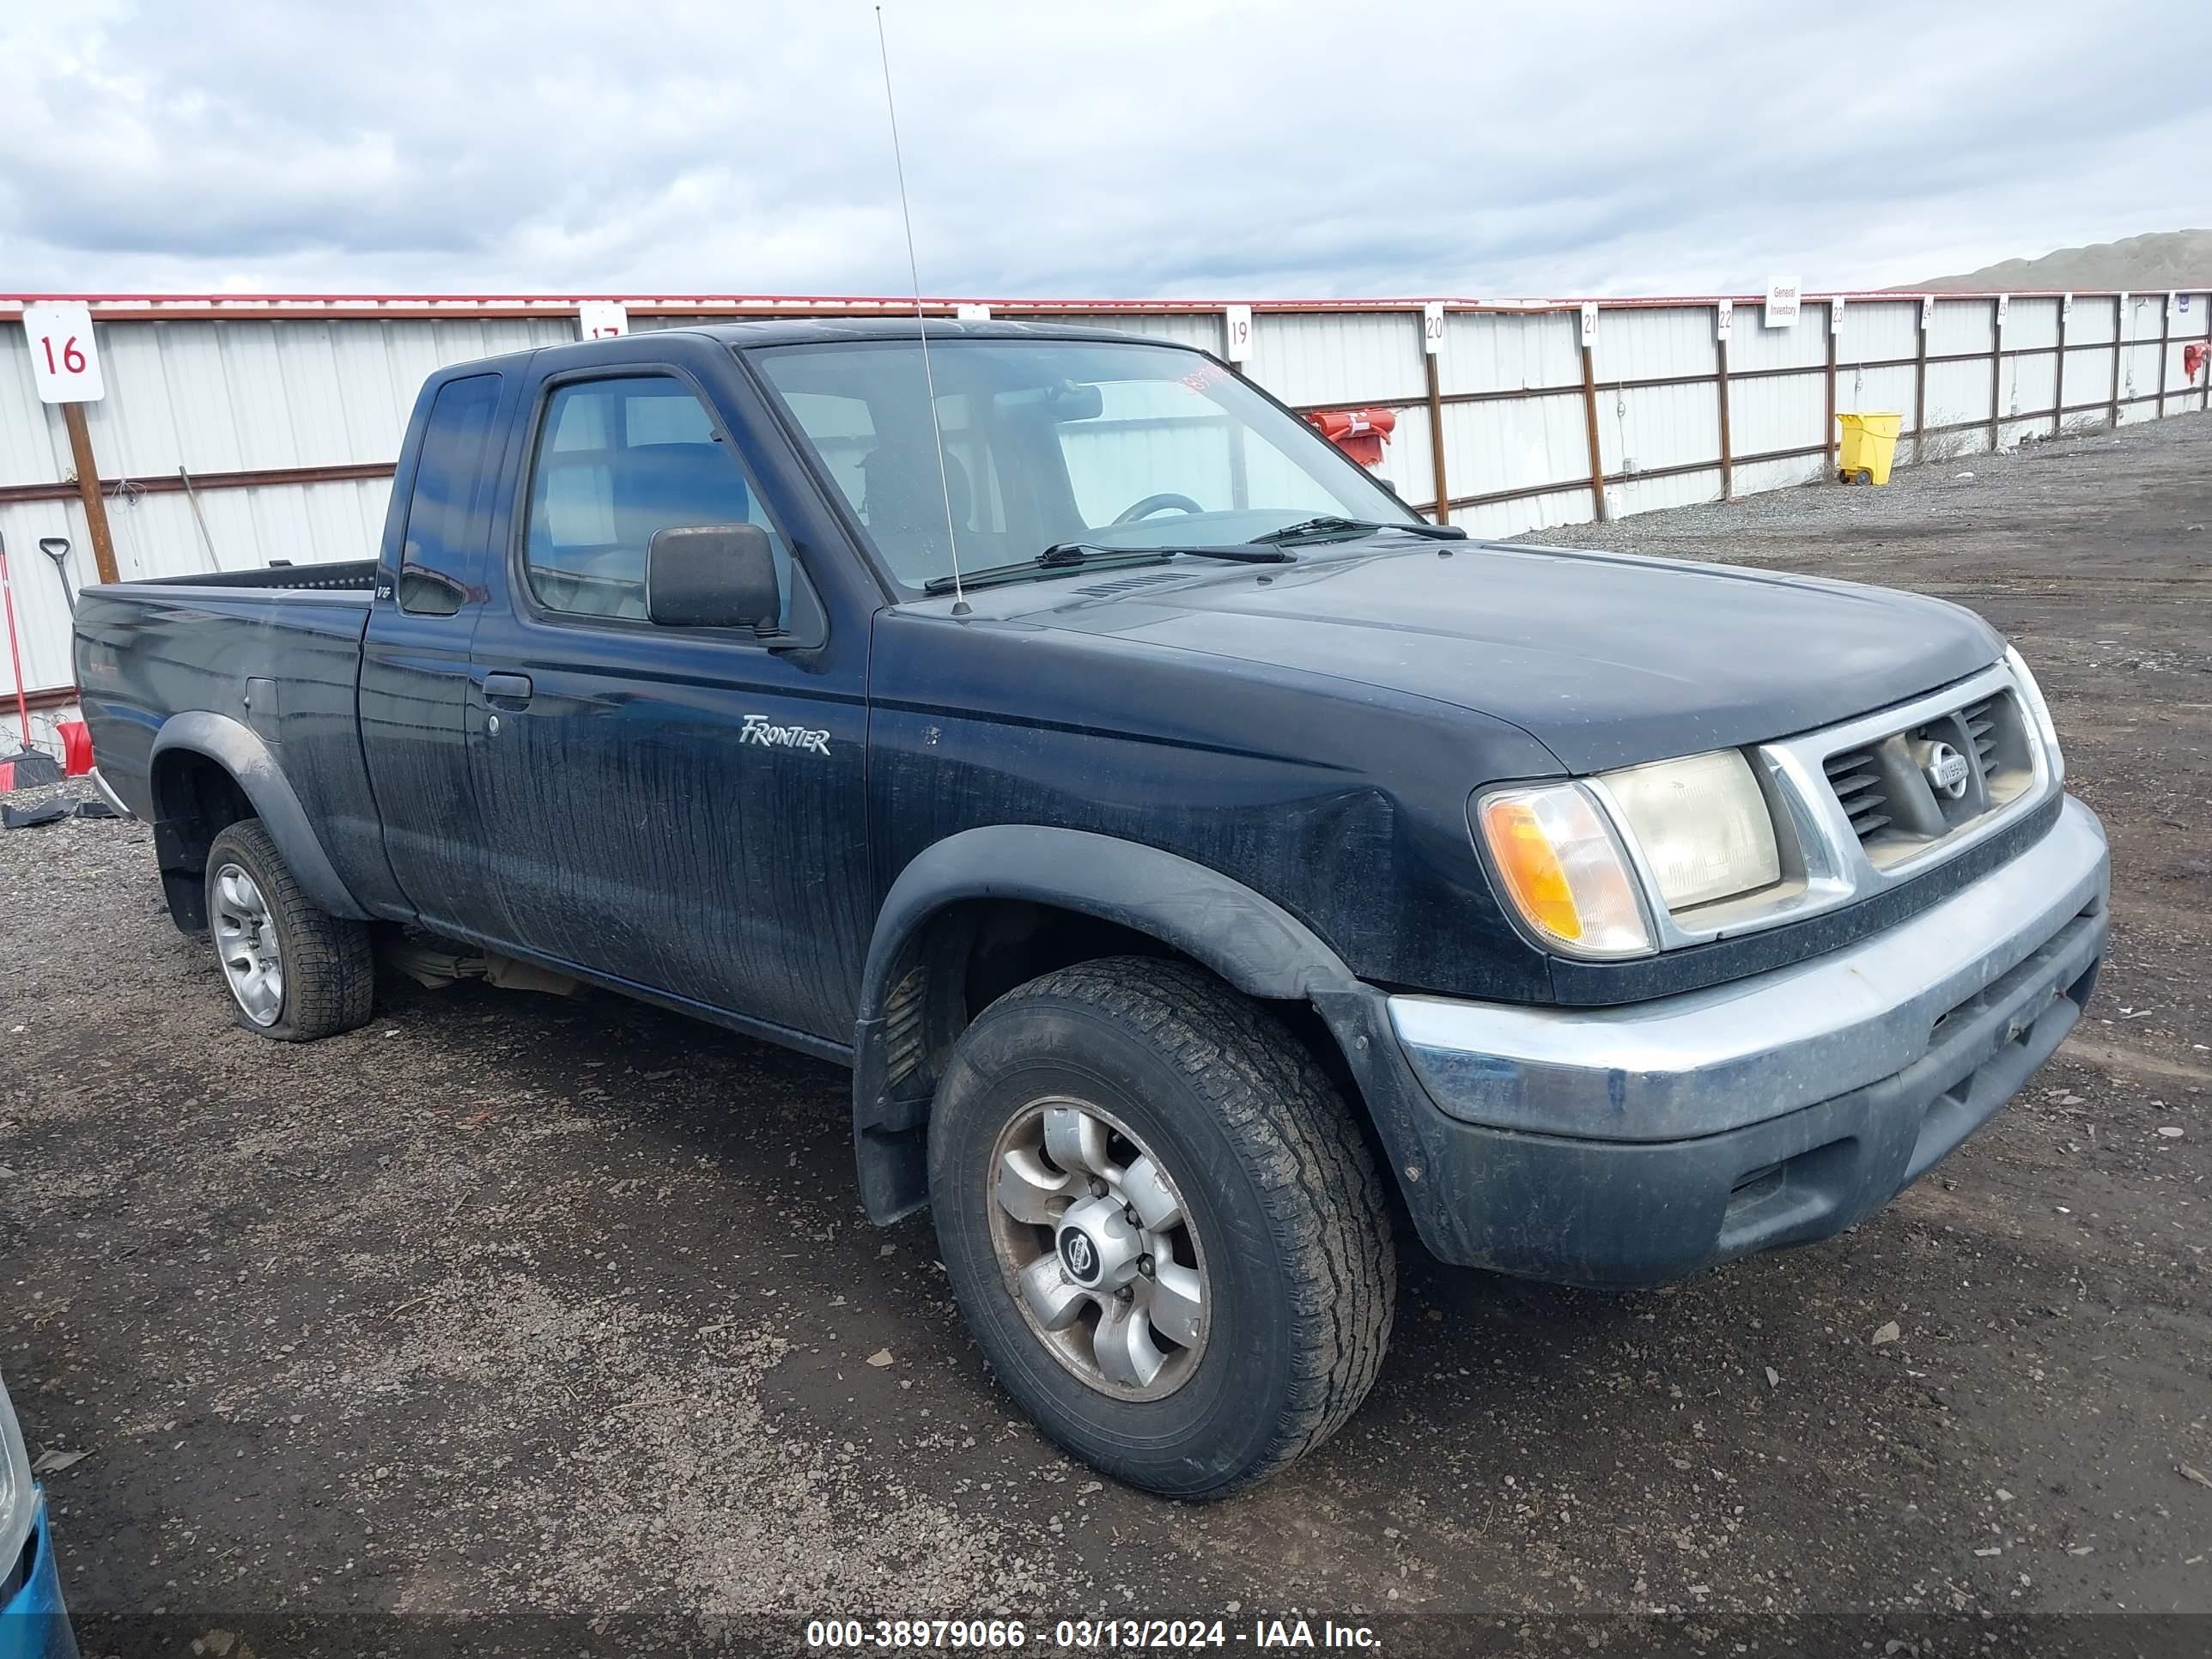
(64, 357)
(1783, 295)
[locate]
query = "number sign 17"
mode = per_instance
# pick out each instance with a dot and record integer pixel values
(602, 320)
(64, 353)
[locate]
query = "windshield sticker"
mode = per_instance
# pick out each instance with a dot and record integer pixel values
(759, 729)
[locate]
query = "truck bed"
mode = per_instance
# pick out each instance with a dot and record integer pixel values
(351, 576)
(256, 662)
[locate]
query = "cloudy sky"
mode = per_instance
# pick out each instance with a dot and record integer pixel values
(1306, 148)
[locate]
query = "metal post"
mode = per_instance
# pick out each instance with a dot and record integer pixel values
(1589, 428)
(2058, 377)
(88, 489)
(1920, 393)
(1997, 372)
(2119, 351)
(1728, 450)
(1437, 439)
(1832, 390)
(208, 542)
(2165, 349)
(15, 651)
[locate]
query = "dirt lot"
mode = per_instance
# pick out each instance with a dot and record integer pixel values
(515, 1307)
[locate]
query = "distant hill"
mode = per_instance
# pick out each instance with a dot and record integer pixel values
(2161, 259)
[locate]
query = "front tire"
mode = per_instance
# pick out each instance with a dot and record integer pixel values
(295, 972)
(1162, 1224)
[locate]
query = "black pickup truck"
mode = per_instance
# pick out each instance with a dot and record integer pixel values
(1201, 861)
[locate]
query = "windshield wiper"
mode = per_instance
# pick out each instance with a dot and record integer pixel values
(1069, 555)
(1330, 525)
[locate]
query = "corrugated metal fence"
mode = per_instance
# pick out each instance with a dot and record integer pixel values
(285, 414)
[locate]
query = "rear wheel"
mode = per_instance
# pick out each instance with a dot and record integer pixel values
(295, 972)
(1162, 1224)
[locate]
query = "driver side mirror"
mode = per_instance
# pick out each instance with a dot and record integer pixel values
(718, 576)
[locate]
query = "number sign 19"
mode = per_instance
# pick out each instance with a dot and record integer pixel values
(64, 357)
(1237, 321)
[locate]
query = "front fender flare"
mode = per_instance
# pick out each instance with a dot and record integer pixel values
(242, 754)
(1245, 937)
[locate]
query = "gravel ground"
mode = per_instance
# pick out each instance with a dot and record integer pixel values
(557, 1322)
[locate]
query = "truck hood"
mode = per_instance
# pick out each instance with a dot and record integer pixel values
(1607, 659)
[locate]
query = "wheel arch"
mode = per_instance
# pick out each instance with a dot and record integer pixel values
(208, 771)
(1092, 895)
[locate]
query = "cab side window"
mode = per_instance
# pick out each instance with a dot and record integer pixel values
(445, 522)
(618, 460)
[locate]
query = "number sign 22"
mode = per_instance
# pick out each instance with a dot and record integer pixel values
(64, 353)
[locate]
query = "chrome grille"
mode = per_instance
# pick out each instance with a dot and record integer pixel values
(1881, 779)
(1982, 725)
(1855, 812)
(1859, 788)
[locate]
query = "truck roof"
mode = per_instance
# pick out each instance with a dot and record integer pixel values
(822, 331)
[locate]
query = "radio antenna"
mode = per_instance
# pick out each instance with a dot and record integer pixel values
(921, 323)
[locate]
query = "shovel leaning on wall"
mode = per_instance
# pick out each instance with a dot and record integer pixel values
(27, 766)
(57, 548)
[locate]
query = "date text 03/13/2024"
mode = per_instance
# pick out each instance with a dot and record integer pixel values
(1008, 1635)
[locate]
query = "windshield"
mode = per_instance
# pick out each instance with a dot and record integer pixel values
(1054, 442)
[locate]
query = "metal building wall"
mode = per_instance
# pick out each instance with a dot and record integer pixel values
(218, 398)
(287, 413)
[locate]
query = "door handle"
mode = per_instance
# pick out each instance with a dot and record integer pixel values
(506, 688)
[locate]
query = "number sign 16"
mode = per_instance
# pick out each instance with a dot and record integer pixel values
(65, 356)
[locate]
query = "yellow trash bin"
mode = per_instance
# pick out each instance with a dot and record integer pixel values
(1869, 446)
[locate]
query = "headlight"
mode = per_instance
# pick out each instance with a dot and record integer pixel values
(17, 1494)
(1564, 869)
(2038, 711)
(1701, 825)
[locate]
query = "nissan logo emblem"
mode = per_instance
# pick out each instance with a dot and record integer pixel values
(1947, 770)
(1079, 1254)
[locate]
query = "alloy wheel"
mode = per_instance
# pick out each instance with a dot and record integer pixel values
(1098, 1249)
(246, 944)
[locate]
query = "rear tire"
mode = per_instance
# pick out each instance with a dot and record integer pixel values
(1256, 1274)
(295, 972)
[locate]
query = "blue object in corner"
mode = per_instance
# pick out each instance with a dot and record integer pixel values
(34, 1621)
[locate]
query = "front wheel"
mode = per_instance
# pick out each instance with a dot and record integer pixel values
(295, 972)
(1162, 1224)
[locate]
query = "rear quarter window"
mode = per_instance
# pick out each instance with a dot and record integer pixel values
(444, 523)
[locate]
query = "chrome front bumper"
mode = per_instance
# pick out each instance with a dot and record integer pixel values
(1709, 1060)
(1632, 1145)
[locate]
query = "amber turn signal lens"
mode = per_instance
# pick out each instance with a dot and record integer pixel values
(1563, 871)
(1531, 868)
